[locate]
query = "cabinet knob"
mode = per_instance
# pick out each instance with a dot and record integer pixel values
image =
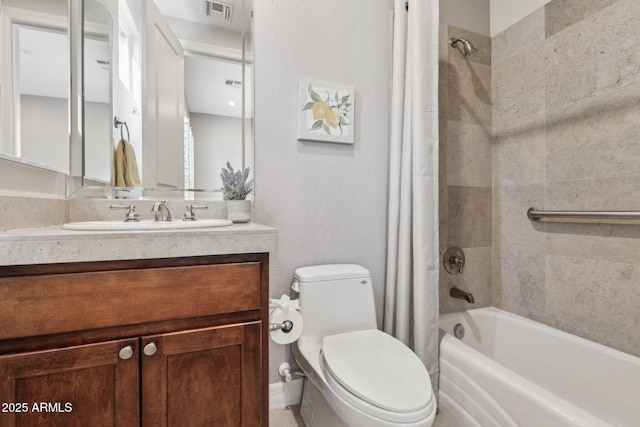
(150, 349)
(126, 352)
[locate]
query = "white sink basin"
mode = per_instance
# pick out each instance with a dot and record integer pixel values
(145, 225)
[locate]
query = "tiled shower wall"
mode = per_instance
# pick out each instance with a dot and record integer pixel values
(566, 124)
(465, 166)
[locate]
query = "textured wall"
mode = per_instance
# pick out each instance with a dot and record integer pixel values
(505, 13)
(465, 166)
(328, 201)
(566, 84)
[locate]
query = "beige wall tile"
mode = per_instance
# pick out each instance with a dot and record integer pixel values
(469, 216)
(602, 242)
(469, 91)
(518, 86)
(560, 14)
(32, 212)
(468, 154)
(519, 283)
(519, 151)
(593, 55)
(618, 193)
(594, 299)
(512, 230)
(584, 80)
(465, 161)
(519, 38)
(594, 138)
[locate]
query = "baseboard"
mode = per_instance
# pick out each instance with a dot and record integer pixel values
(284, 394)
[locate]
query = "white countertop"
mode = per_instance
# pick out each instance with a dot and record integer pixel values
(55, 245)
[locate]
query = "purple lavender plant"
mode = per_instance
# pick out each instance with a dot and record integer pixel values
(234, 183)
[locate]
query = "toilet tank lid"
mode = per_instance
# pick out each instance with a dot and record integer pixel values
(316, 273)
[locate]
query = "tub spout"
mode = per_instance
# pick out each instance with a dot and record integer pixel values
(460, 294)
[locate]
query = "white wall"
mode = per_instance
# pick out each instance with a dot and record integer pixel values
(505, 13)
(328, 201)
(471, 15)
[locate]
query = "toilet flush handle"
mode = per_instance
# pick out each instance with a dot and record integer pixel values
(295, 286)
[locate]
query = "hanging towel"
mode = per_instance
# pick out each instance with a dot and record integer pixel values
(127, 174)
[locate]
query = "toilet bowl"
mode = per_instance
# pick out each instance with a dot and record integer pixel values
(356, 375)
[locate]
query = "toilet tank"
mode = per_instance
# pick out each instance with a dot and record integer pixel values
(335, 298)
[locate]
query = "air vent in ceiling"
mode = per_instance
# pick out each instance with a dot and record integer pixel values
(217, 10)
(233, 83)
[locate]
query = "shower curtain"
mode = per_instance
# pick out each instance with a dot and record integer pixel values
(411, 288)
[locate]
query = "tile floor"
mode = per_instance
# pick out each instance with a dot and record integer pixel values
(289, 417)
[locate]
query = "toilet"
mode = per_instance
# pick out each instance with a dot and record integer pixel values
(356, 375)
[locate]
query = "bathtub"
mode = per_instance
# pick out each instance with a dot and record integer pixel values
(511, 371)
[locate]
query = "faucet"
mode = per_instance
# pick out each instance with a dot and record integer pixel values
(460, 294)
(161, 211)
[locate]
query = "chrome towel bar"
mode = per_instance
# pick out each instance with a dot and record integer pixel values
(536, 215)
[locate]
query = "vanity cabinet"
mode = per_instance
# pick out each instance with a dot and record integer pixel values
(163, 342)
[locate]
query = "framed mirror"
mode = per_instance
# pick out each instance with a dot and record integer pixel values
(181, 95)
(34, 83)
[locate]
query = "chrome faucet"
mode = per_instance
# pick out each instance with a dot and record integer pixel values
(161, 211)
(460, 294)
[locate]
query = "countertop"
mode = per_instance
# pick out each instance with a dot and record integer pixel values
(54, 245)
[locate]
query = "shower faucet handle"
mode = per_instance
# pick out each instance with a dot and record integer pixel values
(459, 262)
(453, 260)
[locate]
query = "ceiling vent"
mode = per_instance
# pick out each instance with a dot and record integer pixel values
(217, 10)
(233, 83)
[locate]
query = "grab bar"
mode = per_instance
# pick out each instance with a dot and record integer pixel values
(536, 215)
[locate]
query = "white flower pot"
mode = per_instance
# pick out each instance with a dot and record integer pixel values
(238, 210)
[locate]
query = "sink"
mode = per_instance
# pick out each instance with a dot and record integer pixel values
(145, 225)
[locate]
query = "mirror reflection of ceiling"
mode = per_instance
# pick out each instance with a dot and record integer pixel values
(42, 49)
(211, 84)
(222, 93)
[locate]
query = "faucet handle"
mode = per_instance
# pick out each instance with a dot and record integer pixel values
(189, 215)
(132, 215)
(453, 260)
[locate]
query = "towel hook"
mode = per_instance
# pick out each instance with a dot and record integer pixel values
(117, 123)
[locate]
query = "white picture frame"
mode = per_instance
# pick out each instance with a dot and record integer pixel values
(326, 111)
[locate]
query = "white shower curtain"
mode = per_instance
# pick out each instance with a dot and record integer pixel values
(411, 289)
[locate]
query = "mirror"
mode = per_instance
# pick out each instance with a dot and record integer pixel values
(34, 83)
(181, 93)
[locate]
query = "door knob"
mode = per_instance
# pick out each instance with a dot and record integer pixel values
(150, 349)
(126, 352)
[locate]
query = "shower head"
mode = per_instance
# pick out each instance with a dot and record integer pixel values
(469, 49)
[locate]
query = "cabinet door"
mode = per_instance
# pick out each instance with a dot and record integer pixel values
(205, 377)
(84, 386)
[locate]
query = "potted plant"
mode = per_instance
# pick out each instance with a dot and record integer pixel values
(236, 187)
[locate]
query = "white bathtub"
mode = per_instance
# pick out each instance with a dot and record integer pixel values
(511, 371)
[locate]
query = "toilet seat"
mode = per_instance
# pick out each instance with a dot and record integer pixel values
(378, 374)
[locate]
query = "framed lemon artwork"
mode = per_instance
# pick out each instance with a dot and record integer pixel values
(326, 111)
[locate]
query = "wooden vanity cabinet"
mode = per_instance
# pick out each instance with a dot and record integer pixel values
(174, 342)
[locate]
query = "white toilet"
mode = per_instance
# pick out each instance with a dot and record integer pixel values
(357, 376)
